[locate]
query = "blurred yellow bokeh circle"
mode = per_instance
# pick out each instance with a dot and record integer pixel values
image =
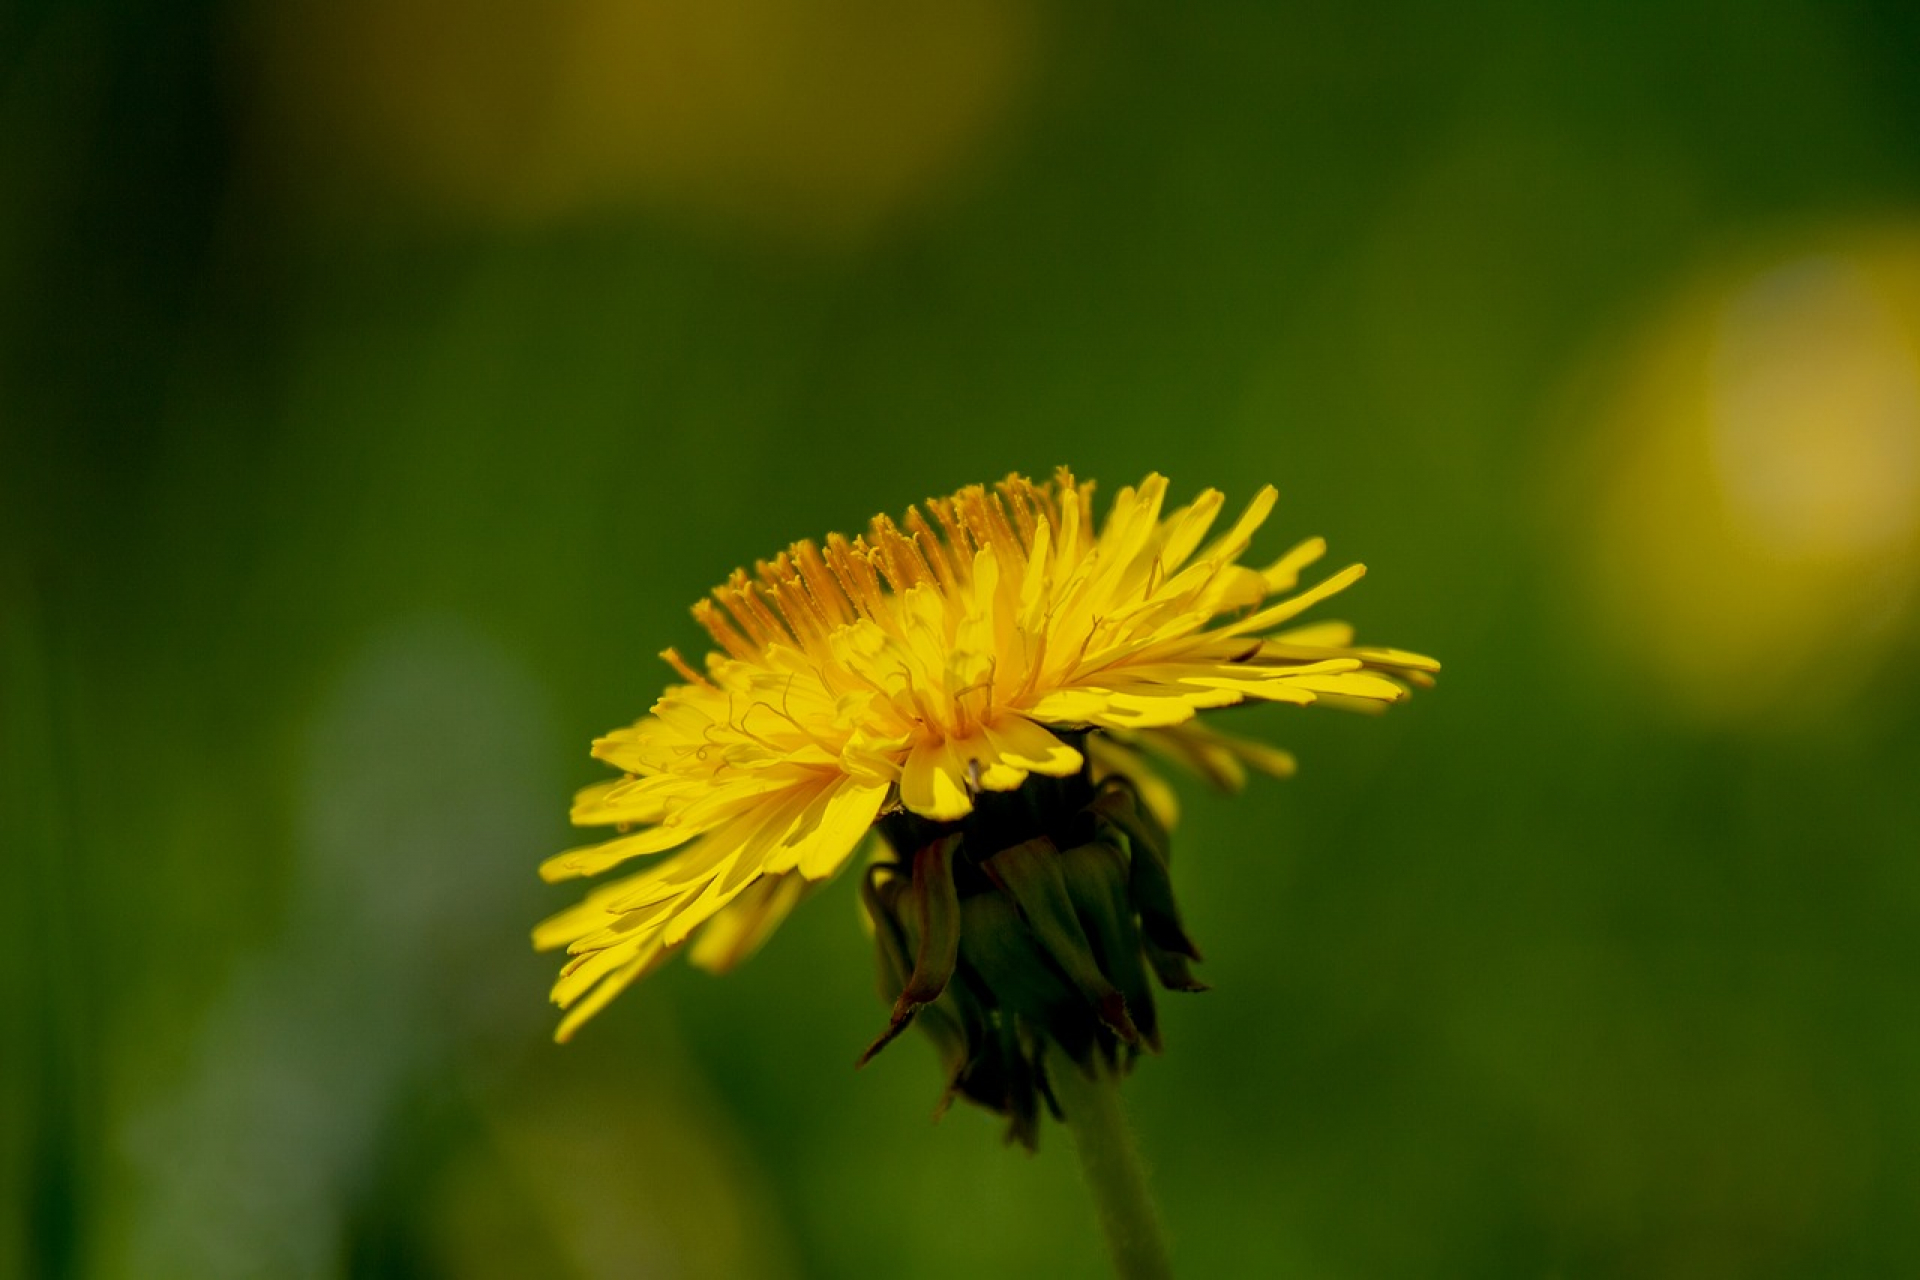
(1755, 485)
(784, 115)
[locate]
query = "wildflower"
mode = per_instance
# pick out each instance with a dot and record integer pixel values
(984, 687)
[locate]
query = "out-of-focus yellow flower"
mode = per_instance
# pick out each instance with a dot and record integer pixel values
(774, 117)
(918, 672)
(1758, 480)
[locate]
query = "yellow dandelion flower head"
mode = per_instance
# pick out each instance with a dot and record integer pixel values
(919, 666)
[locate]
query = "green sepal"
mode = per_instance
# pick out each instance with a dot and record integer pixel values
(879, 888)
(1096, 876)
(1030, 874)
(927, 915)
(997, 944)
(1172, 969)
(1118, 812)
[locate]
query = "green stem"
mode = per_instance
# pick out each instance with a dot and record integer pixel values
(1111, 1163)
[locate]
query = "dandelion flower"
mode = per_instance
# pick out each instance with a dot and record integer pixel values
(985, 684)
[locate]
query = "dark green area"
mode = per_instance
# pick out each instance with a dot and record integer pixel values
(329, 539)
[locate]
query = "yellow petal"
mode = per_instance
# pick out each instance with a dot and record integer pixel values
(1270, 760)
(849, 814)
(1283, 573)
(983, 766)
(1354, 684)
(1216, 755)
(583, 974)
(740, 930)
(636, 800)
(594, 858)
(1296, 605)
(1187, 526)
(734, 853)
(609, 987)
(934, 783)
(1200, 751)
(1325, 635)
(1025, 745)
(834, 820)
(1230, 544)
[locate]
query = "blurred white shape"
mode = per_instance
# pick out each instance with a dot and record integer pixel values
(425, 788)
(1816, 414)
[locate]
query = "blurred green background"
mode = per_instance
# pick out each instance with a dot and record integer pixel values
(381, 379)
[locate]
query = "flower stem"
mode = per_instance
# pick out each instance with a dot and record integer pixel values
(1111, 1164)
